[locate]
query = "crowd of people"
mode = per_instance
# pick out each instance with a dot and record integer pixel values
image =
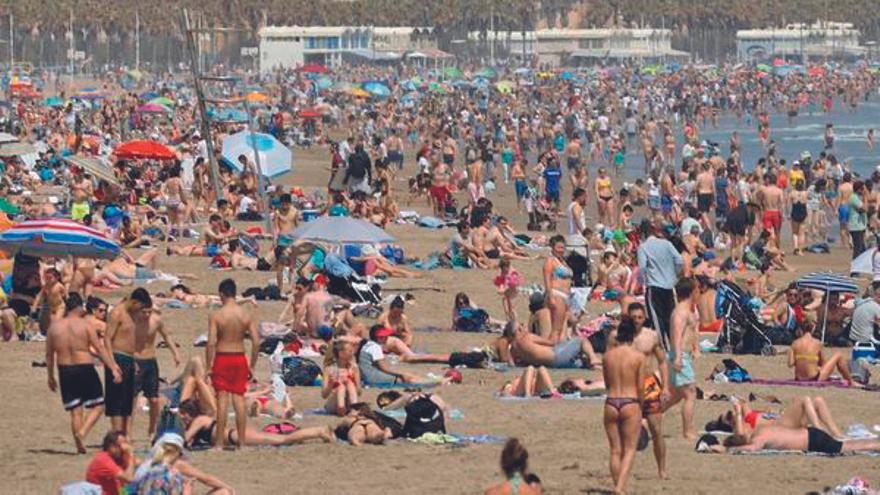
(698, 218)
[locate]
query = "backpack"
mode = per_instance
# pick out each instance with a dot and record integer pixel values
(471, 320)
(423, 416)
(734, 372)
(477, 359)
(297, 371)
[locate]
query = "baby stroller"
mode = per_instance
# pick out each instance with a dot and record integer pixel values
(742, 332)
(542, 213)
(366, 297)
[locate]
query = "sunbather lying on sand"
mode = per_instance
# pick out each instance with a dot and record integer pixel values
(801, 412)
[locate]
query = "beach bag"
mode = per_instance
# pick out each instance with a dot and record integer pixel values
(297, 371)
(734, 372)
(471, 320)
(423, 416)
(477, 359)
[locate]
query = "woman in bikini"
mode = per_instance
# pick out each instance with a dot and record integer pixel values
(605, 198)
(201, 431)
(341, 381)
(621, 369)
(798, 200)
(557, 287)
(533, 382)
(801, 412)
(361, 425)
(809, 363)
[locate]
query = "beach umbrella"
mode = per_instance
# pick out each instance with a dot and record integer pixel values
(16, 149)
(7, 207)
(309, 113)
(57, 237)
(763, 67)
(378, 89)
(143, 149)
(256, 97)
(408, 85)
(153, 108)
(162, 100)
(504, 86)
(359, 93)
(313, 69)
(486, 72)
(341, 230)
(828, 283)
(864, 262)
(94, 166)
(227, 115)
(323, 82)
(453, 73)
(54, 101)
(275, 158)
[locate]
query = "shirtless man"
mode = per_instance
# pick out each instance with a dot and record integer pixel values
(394, 319)
(844, 193)
(622, 372)
(119, 340)
(214, 236)
(683, 353)
(68, 342)
(284, 220)
(50, 300)
(317, 307)
(81, 191)
(771, 201)
(709, 321)
(705, 189)
(529, 349)
(655, 392)
(146, 376)
(231, 370)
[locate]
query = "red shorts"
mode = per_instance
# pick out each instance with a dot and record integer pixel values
(440, 194)
(773, 220)
(712, 327)
(230, 373)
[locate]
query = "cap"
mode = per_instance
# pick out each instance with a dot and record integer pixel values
(454, 375)
(320, 279)
(384, 332)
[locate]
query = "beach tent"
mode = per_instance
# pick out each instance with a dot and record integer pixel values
(828, 283)
(275, 158)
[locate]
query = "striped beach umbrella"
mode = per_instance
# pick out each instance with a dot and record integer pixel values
(57, 237)
(828, 282)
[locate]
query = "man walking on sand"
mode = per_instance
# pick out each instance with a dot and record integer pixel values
(683, 353)
(67, 343)
(228, 327)
(119, 339)
(146, 326)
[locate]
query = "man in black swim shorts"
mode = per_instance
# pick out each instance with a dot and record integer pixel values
(69, 341)
(819, 441)
(146, 376)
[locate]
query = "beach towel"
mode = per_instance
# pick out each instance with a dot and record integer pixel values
(80, 488)
(774, 452)
(401, 385)
(431, 222)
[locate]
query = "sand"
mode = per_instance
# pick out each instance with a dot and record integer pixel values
(566, 441)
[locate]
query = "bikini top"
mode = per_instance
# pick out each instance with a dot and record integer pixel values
(562, 272)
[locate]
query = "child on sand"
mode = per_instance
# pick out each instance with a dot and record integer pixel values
(507, 282)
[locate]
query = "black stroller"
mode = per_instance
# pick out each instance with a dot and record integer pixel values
(742, 332)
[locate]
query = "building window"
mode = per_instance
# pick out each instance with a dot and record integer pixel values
(333, 43)
(311, 42)
(345, 41)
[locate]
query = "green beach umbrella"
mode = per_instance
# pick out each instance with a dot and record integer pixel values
(168, 102)
(453, 73)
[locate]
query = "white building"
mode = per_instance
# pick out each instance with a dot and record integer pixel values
(292, 46)
(557, 47)
(802, 41)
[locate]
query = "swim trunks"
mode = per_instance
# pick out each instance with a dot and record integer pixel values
(819, 441)
(773, 220)
(843, 214)
(704, 202)
(146, 378)
(566, 353)
(80, 386)
(78, 211)
(144, 273)
(119, 397)
(712, 327)
(212, 250)
(684, 377)
(230, 372)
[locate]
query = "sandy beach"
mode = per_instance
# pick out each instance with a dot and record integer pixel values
(565, 438)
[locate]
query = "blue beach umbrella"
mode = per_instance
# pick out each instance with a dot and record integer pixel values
(275, 158)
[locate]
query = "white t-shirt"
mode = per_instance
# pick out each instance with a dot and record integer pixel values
(374, 350)
(245, 204)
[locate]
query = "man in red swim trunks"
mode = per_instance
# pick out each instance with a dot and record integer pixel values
(228, 327)
(771, 199)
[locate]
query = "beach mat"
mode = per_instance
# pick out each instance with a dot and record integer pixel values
(455, 414)
(787, 382)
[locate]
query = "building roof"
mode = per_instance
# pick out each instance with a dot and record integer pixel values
(309, 30)
(626, 53)
(374, 55)
(569, 34)
(794, 33)
(400, 30)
